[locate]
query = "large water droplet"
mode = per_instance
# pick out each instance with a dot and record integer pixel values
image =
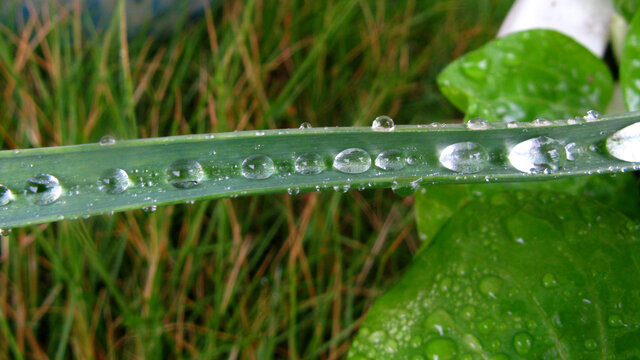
(625, 143)
(258, 167)
(478, 124)
(114, 181)
(490, 285)
(5, 195)
(310, 164)
(522, 342)
(440, 321)
(405, 188)
(107, 140)
(592, 115)
(390, 160)
(306, 125)
(43, 189)
(352, 161)
(383, 123)
(441, 349)
(541, 154)
(184, 173)
(464, 157)
(472, 342)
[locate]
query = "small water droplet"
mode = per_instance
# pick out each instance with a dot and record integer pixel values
(310, 164)
(391, 160)
(440, 321)
(185, 173)
(352, 161)
(377, 337)
(548, 280)
(615, 320)
(541, 154)
(592, 115)
(43, 189)
(114, 181)
(293, 191)
(107, 140)
(472, 342)
(522, 342)
(258, 167)
(541, 122)
(475, 67)
(625, 143)
(464, 157)
(590, 344)
(383, 123)
(490, 285)
(441, 349)
(306, 125)
(478, 124)
(402, 188)
(5, 195)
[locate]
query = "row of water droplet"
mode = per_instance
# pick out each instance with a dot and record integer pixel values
(537, 155)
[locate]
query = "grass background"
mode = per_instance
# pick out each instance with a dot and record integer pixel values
(250, 278)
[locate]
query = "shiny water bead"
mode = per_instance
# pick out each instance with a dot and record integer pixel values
(478, 124)
(309, 164)
(383, 123)
(258, 167)
(185, 173)
(305, 125)
(352, 161)
(5, 195)
(114, 181)
(625, 143)
(592, 115)
(43, 189)
(541, 122)
(541, 154)
(107, 140)
(390, 160)
(464, 157)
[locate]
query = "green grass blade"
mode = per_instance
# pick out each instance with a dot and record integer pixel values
(78, 168)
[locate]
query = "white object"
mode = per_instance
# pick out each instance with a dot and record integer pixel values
(586, 21)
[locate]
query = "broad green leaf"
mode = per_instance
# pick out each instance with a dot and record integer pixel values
(630, 66)
(628, 8)
(515, 275)
(528, 75)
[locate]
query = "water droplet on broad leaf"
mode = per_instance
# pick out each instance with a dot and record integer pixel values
(352, 161)
(475, 69)
(522, 342)
(441, 349)
(615, 320)
(114, 181)
(472, 342)
(258, 167)
(548, 280)
(439, 321)
(184, 173)
(590, 344)
(478, 124)
(5, 195)
(310, 164)
(541, 122)
(625, 143)
(541, 154)
(305, 125)
(592, 115)
(377, 337)
(490, 285)
(107, 140)
(486, 325)
(43, 189)
(464, 157)
(391, 160)
(383, 123)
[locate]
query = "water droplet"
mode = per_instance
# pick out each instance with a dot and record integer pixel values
(468, 312)
(590, 344)
(548, 280)
(306, 125)
(486, 326)
(472, 342)
(441, 349)
(541, 154)
(464, 157)
(615, 320)
(352, 161)
(402, 188)
(490, 285)
(592, 115)
(475, 67)
(258, 167)
(391, 346)
(114, 181)
(5, 195)
(310, 164)
(184, 173)
(478, 124)
(541, 122)
(293, 191)
(43, 189)
(522, 342)
(107, 140)
(440, 321)
(383, 123)
(391, 160)
(625, 143)
(377, 337)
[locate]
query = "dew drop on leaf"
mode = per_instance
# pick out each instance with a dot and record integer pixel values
(522, 342)
(43, 189)
(590, 344)
(114, 181)
(592, 115)
(383, 123)
(257, 167)
(625, 143)
(472, 342)
(615, 320)
(184, 173)
(309, 164)
(391, 160)
(305, 125)
(107, 140)
(490, 285)
(439, 321)
(377, 337)
(441, 349)
(541, 154)
(478, 124)
(352, 161)
(5, 195)
(464, 157)
(548, 280)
